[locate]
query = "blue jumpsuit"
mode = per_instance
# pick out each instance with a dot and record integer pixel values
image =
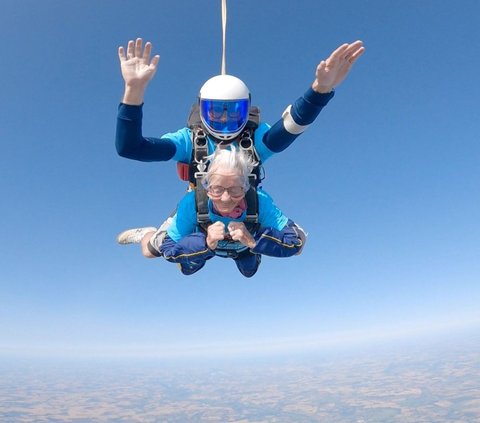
(185, 243)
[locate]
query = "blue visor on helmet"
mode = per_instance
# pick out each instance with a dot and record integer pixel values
(224, 116)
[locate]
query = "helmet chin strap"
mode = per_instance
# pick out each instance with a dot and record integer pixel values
(224, 31)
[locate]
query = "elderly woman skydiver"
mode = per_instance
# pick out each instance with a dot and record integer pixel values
(184, 241)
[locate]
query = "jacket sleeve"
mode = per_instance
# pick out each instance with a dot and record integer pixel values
(130, 142)
(191, 249)
(279, 243)
(295, 120)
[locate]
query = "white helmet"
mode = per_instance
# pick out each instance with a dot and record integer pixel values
(224, 104)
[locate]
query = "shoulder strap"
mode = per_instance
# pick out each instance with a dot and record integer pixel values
(251, 198)
(247, 145)
(201, 202)
(194, 117)
(253, 117)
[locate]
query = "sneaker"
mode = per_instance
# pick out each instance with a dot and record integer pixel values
(134, 236)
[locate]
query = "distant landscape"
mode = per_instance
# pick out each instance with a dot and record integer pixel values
(416, 382)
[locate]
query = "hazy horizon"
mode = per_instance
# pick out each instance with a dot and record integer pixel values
(434, 380)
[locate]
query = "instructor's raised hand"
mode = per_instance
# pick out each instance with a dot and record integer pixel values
(332, 71)
(137, 70)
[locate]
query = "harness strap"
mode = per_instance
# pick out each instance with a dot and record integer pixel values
(246, 145)
(200, 149)
(252, 201)
(201, 200)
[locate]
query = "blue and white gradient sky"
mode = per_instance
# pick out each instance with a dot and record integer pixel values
(386, 182)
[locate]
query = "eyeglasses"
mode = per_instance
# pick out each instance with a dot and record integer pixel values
(218, 190)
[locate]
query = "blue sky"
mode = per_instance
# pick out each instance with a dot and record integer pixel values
(386, 181)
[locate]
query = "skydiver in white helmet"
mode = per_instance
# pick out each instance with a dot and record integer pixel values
(220, 94)
(224, 114)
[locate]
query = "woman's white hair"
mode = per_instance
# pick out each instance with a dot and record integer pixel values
(232, 159)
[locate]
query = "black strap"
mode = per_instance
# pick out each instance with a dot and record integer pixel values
(251, 198)
(201, 200)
